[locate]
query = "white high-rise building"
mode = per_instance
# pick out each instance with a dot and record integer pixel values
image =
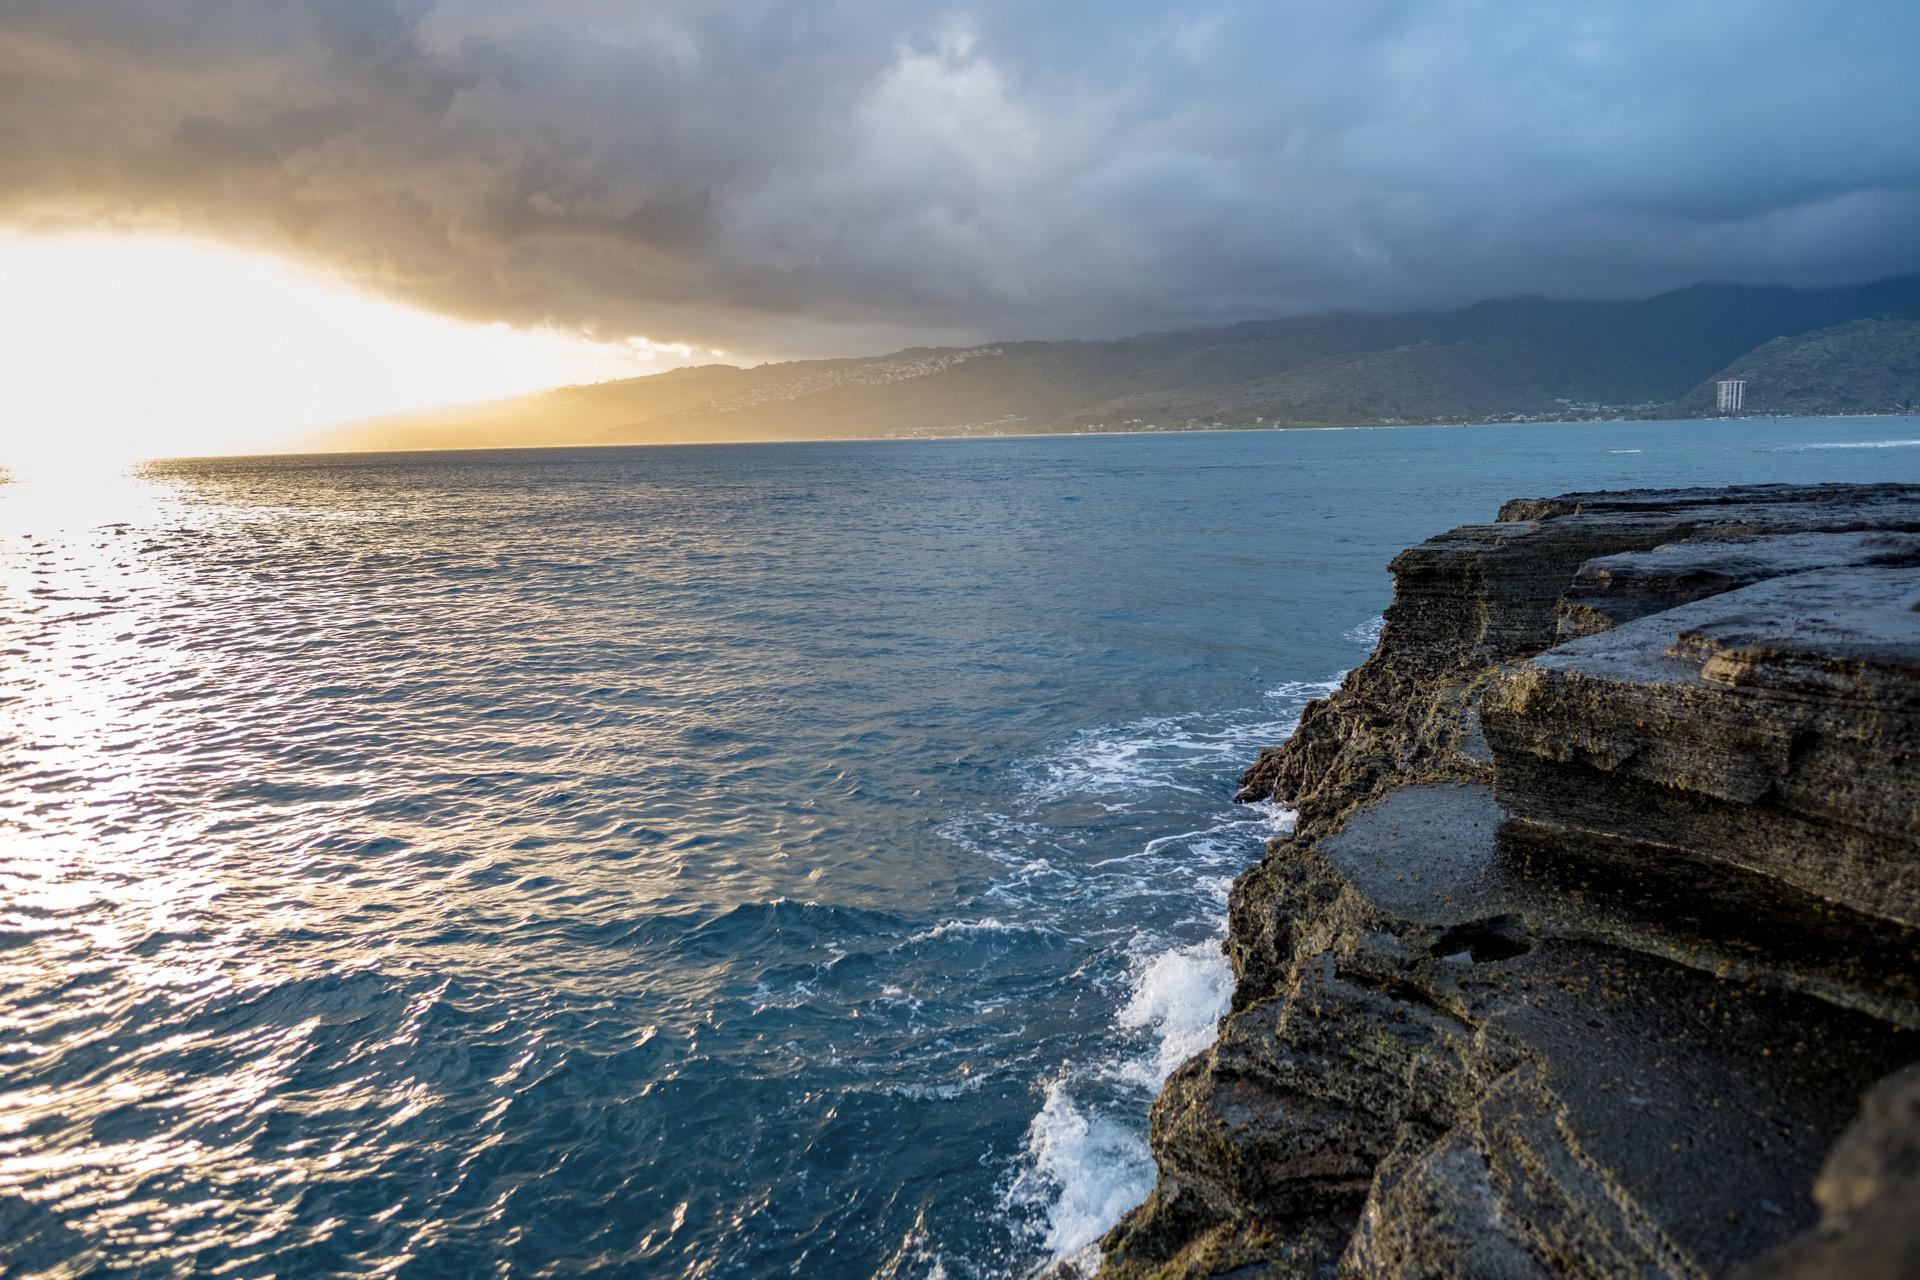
(1733, 394)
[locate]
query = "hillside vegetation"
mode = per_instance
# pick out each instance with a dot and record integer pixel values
(1802, 351)
(1862, 366)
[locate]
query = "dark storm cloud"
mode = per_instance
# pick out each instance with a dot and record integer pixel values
(776, 175)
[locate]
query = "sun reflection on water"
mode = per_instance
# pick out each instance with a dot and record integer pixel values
(100, 911)
(252, 870)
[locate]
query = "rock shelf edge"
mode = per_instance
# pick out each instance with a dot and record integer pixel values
(1596, 948)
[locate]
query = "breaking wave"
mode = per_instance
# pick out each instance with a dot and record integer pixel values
(1084, 1160)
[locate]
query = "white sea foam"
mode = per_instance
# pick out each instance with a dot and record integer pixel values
(1850, 444)
(1278, 817)
(1083, 1171)
(1155, 752)
(1085, 1159)
(1180, 995)
(986, 924)
(936, 1092)
(1368, 632)
(1229, 836)
(1126, 759)
(1305, 690)
(1085, 1167)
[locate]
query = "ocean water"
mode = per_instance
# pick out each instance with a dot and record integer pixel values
(736, 861)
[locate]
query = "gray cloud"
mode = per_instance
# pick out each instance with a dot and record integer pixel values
(780, 176)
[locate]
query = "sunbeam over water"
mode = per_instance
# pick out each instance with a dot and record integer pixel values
(679, 862)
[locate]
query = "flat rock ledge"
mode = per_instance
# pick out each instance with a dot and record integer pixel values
(1596, 948)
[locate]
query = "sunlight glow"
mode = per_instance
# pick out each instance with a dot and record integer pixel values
(114, 348)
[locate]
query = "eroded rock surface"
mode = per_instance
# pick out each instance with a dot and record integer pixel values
(1599, 921)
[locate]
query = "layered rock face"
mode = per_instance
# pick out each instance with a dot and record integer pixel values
(1600, 921)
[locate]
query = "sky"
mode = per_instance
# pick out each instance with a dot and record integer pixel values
(628, 186)
(137, 345)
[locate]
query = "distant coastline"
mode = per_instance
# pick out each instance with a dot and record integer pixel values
(1208, 429)
(1798, 352)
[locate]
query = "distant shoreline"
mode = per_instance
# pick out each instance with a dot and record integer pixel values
(1005, 435)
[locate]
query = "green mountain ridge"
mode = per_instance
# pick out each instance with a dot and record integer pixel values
(1863, 366)
(1845, 350)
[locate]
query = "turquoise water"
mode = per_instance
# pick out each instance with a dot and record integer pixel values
(725, 861)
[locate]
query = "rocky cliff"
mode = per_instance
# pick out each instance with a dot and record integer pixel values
(1596, 948)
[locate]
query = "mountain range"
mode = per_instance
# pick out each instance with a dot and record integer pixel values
(1802, 351)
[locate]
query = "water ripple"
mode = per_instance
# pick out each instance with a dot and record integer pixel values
(723, 862)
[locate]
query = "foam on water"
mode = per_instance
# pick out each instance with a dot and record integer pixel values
(1368, 632)
(1851, 444)
(986, 924)
(1083, 1171)
(681, 862)
(1085, 1161)
(1178, 998)
(1164, 752)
